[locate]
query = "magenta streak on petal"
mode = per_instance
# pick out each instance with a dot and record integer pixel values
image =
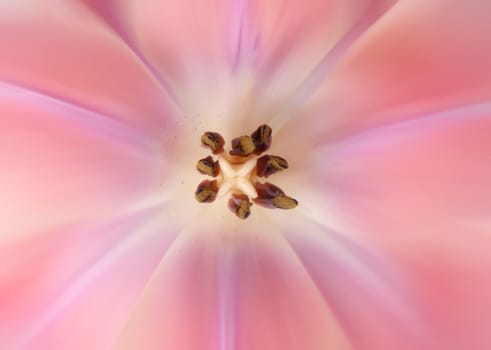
(227, 298)
(244, 37)
(325, 65)
(237, 32)
(115, 130)
(239, 40)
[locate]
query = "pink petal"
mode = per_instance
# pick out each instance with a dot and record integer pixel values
(368, 296)
(301, 39)
(419, 58)
(433, 173)
(177, 39)
(286, 36)
(61, 164)
(178, 309)
(276, 45)
(278, 304)
(75, 287)
(218, 291)
(63, 50)
(420, 192)
(298, 45)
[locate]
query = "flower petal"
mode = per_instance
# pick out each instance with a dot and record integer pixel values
(368, 296)
(65, 51)
(302, 39)
(433, 173)
(300, 43)
(261, 50)
(419, 58)
(223, 291)
(74, 287)
(60, 164)
(420, 191)
(278, 305)
(177, 309)
(181, 40)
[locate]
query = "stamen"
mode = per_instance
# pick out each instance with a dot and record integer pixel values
(207, 191)
(269, 165)
(282, 201)
(214, 141)
(271, 196)
(262, 139)
(267, 190)
(242, 146)
(238, 173)
(240, 205)
(207, 166)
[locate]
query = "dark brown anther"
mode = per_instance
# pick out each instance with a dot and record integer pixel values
(271, 196)
(207, 166)
(262, 138)
(213, 141)
(207, 191)
(269, 165)
(242, 146)
(240, 205)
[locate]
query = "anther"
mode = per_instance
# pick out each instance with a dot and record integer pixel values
(207, 191)
(214, 141)
(269, 165)
(239, 176)
(240, 205)
(207, 166)
(271, 196)
(262, 138)
(282, 201)
(242, 146)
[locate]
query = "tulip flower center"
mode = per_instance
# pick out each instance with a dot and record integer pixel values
(238, 173)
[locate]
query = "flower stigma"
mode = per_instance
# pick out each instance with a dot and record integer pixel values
(237, 173)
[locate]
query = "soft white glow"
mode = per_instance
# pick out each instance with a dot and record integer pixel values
(237, 177)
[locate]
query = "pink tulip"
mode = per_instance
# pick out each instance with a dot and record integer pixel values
(382, 109)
